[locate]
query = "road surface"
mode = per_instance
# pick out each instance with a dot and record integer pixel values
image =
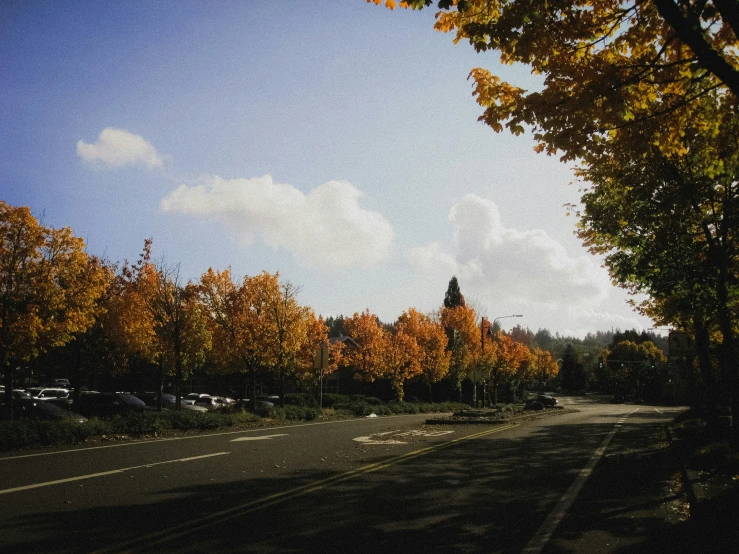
(390, 484)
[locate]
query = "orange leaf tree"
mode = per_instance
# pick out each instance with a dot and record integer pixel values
(508, 357)
(432, 341)
(367, 358)
(544, 366)
(48, 288)
(239, 316)
(460, 322)
(294, 330)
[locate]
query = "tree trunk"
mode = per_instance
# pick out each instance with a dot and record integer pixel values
(9, 390)
(728, 357)
(702, 342)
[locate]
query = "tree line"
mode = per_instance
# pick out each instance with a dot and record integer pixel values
(112, 318)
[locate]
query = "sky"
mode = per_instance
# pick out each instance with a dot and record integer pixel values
(334, 142)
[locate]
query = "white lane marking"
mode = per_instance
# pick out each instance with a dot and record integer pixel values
(659, 411)
(103, 473)
(259, 438)
(544, 533)
(152, 441)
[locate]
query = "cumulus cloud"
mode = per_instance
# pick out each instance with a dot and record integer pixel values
(325, 228)
(525, 268)
(117, 148)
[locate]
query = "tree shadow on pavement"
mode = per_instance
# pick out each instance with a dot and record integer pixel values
(490, 494)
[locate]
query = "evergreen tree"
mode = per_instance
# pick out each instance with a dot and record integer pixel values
(453, 296)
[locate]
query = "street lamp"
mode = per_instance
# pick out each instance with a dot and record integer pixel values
(505, 316)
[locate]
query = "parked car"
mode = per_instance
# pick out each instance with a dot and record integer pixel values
(210, 402)
(169, 402)
(105, 404)
(545, 400)
(59, 383)
(192, 397)
(44, 393)
(29, 408)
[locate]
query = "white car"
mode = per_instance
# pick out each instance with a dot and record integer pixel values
(44, 393)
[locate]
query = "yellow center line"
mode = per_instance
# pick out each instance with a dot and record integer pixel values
(177, 531)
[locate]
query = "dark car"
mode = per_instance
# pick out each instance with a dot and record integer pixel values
(546, 400)
(105, 404)
(29, 408)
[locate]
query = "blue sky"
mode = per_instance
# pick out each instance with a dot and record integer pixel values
(334, 142)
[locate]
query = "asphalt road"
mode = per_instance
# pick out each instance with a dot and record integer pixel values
(559, 483)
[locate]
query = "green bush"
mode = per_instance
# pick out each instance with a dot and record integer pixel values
(301, 399)
(297, 413)
(330, 400)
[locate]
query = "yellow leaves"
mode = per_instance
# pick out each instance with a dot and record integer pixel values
(368, 357)
(390, 4)
(50, 285)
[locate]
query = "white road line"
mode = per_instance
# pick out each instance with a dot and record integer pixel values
(258, 438)
(659, 411)
(544, 533)
(152, 441)
(104, 473)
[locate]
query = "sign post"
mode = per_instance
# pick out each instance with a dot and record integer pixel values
(320, 362)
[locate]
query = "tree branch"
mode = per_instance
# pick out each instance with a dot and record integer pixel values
(690, 32)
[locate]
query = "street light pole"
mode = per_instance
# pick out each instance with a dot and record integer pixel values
(505, 316)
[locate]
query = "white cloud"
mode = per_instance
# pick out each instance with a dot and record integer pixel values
(512, 271)
(528, 267)
(117, 148)
(325, 228)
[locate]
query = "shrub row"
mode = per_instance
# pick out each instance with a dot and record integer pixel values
(24, 433)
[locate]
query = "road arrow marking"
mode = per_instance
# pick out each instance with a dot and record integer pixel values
(377, 438)
(259, 438)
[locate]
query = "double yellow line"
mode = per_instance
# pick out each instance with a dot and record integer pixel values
(177, 531)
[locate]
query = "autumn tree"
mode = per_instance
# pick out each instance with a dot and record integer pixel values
(605, 64)
(240, 325)
(544, 366)
(179, 323)
(316, 336)
(294, 332)
(506, 359)
(461, 325)
(665, 224)
(401, 359)
(367, 358)
(432, 342)
(48, 289)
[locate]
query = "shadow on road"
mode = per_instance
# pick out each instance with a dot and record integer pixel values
(486, 495)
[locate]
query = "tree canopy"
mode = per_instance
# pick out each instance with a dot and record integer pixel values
(605, 64)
